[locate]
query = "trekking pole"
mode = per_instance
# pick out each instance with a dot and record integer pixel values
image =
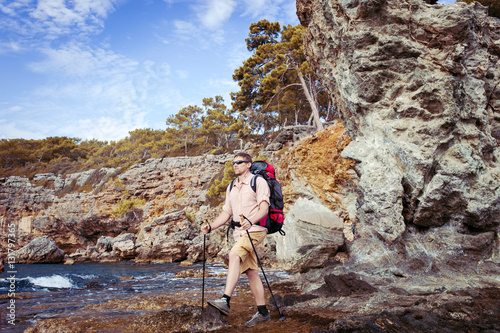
(262, 269)
(203, 279)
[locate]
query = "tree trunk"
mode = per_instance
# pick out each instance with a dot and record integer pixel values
(312, 102)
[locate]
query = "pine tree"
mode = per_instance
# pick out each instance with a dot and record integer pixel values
(277, 85)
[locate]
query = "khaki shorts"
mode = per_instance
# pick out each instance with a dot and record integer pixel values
(243, 248)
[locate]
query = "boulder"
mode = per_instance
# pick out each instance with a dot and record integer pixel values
(104, 244)
(313, 235)
(167, 238)
(41, 250)
(69, 261)
(124, 245)
(79, 255)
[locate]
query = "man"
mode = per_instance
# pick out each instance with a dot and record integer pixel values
(254, 205)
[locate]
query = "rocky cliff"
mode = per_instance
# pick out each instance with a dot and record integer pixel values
(418, 89)
(76, 211)
(392, 218)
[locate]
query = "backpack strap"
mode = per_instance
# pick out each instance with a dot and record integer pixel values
(232, 184)
(253, 183)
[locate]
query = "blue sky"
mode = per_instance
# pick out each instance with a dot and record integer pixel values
(101, 68)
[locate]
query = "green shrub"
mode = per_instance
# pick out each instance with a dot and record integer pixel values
(125, 206)
(217, 190)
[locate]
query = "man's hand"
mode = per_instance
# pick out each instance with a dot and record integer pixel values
(245, 224)
(206, 228)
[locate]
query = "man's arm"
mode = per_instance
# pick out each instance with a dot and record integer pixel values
(261, 213)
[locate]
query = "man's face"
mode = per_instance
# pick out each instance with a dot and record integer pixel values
(239, 167)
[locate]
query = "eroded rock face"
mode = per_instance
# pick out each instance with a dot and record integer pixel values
(76, 210)
(417, 87)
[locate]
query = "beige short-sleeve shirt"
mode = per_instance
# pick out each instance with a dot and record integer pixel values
(243, 200)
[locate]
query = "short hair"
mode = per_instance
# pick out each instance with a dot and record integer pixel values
(245, 156)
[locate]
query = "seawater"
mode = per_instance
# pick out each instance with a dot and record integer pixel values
(51, 290)
(47, 291)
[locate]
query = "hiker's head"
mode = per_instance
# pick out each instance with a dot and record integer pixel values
(242, 163)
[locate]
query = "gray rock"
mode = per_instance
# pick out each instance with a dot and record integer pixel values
(79, 255)
(41, 250)
(292, 134)
(104, 244)
(313, 235)
(124, 245)
(416, 87)
(44, 177)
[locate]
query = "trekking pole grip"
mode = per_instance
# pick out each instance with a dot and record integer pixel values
(243, 217)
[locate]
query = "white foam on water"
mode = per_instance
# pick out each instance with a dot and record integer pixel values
(54, 281)
(87, 276)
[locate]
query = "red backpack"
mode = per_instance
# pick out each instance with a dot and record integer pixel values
(275, 218)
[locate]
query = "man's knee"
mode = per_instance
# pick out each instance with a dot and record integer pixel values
(233, 256)
(252, 273)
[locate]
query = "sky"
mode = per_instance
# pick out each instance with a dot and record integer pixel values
(97, 69)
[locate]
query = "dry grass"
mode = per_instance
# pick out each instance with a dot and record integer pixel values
(317, 162)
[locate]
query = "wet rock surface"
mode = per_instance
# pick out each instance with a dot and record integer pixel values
(321, 300)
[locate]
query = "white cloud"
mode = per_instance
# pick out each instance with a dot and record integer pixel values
(213, 13)
(105, 94)
(77, 59)
(50, 19)
(182, 74)
(107, 128)
(10, 46)
(185, 29)
(255, 7)
(224, 87)
(272, 10)
(203, 38)
(9, 130)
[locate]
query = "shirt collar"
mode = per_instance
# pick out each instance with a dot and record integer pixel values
(247, 179)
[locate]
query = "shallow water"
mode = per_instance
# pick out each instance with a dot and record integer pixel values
(49, 291)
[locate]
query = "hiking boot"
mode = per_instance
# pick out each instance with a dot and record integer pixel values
(257, 318)
(221, 305)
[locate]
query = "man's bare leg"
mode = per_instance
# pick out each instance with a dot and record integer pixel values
(256, 286)
(233, 273)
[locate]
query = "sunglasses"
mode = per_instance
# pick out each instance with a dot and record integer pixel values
(239, 162)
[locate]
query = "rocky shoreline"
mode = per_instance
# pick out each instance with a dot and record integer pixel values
(323, 300)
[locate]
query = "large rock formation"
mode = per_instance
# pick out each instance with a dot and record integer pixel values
(417, 87)
(76, 210)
